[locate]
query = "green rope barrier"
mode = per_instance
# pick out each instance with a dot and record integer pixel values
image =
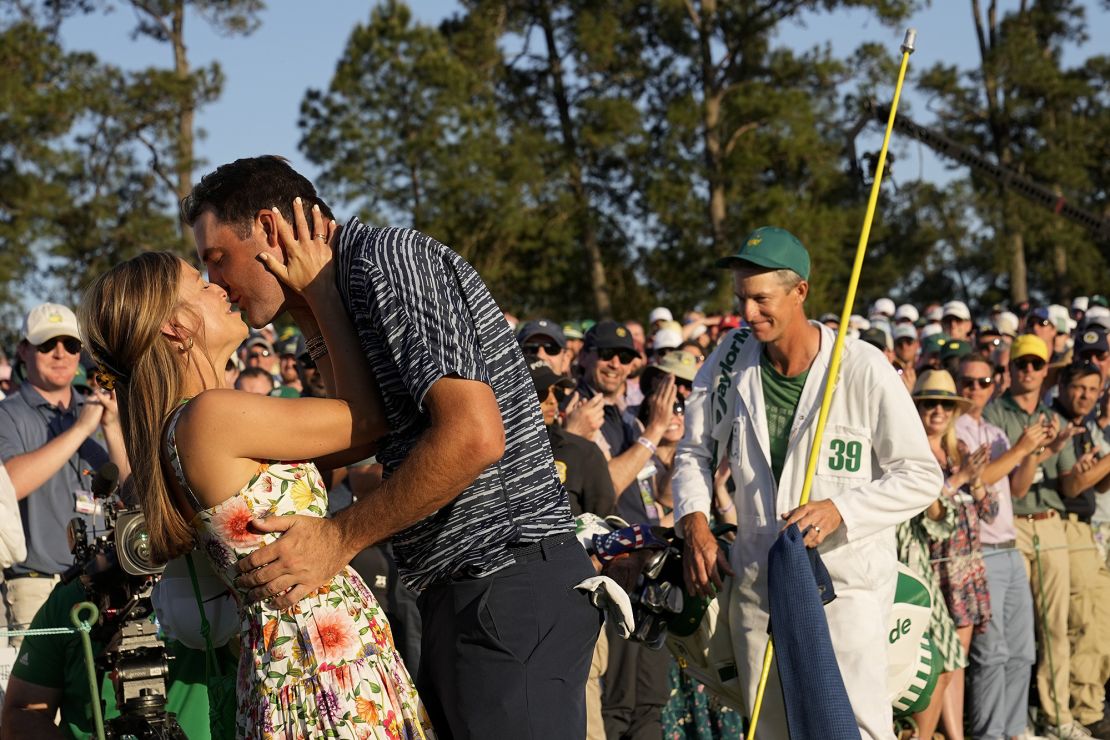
(84, 626)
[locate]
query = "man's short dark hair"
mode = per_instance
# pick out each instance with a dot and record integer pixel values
(1077, 370)
(235, 192)
(253, 372)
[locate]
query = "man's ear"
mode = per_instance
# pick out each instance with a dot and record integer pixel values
(803, 289)
(268, 225)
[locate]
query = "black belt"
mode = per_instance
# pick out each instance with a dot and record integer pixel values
(11, 575)
(527, 551)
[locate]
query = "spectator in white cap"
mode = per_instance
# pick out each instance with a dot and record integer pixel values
(48, 447)
(1079, 307)
(906, 314)
(857, 325)
(1097, 316)
(956, 320)
(658, 315)
(1007, 324)
(667, 338)
(883, 306)
(906, 349)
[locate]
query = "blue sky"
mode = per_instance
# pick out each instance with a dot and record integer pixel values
(267, 72)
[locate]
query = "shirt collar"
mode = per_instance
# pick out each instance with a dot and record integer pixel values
(34, 399)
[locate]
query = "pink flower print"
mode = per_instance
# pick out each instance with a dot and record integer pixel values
(332, 633)
(230, 523)
(392, 726)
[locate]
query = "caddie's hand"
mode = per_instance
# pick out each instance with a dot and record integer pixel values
(309, 266)
(704, 563)
(820, 518)
(308, 554)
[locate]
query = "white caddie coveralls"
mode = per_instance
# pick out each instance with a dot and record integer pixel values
(875, 464)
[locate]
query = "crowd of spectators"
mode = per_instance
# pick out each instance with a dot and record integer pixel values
(1016, 403)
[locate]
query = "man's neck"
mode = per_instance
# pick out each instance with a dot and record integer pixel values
(793, 352)
(975, 412)
(1027, 401)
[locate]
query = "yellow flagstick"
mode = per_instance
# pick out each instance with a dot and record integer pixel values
(838, 346)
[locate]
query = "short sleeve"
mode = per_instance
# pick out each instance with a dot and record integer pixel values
(10, 443)
(414, 289)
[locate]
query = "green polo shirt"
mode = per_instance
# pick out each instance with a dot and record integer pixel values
(1044, 493)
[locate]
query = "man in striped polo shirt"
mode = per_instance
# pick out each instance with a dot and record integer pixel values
(480, 523)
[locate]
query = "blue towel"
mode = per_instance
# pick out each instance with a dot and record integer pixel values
(814, 696)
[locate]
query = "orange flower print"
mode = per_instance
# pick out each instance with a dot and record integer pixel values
(332, 633)
(268, 631)
(367, 710)
(230, 523)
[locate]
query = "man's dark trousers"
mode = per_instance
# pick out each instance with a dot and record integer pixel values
(507, 656)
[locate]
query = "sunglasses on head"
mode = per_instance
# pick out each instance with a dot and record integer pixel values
(1024, 363)
(626, 356)
(259, 355)
(71, 344)
(1039, 322)
(550, 348)
(983, 383)
(927, 404)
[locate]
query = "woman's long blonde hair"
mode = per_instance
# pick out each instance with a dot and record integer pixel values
(122, 316)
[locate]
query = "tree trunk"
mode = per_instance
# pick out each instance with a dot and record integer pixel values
(1019, 286)
(598, 282)
(184, 163)
(711, 122)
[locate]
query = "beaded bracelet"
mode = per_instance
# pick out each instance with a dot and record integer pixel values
(316, 347)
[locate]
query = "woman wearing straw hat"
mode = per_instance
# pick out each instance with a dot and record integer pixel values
(950, 530)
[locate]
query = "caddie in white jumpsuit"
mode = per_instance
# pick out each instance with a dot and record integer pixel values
(757, 399)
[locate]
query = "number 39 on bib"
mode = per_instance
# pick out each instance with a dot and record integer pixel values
(845, 454)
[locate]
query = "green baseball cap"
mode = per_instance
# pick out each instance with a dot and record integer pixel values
(773, 248)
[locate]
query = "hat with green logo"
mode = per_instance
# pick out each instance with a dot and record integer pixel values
(773, 248)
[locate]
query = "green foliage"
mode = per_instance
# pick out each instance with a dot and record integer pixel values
(1029, 112)
(93, 157)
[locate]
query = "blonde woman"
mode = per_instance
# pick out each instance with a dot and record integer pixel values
(207, 460)
(955, 555)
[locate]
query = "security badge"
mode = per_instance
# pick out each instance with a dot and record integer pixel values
(85, 503)
(561, 467)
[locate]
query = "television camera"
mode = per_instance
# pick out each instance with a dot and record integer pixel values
(118, 573)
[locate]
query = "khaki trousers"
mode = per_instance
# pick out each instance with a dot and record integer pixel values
(1051, 593)
(1088, 623)
(595, 723)
(22, 599)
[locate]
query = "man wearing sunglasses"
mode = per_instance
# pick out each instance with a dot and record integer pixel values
(543, 339)
(46, 446)
(756, 401)
(1039, 514)
(1089, 608)
(636, 688)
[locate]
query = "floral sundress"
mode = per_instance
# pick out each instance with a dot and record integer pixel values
(327, 666)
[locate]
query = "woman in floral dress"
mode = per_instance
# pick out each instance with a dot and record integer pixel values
(203, 470)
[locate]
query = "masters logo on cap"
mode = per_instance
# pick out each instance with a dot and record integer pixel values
(772, 248)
